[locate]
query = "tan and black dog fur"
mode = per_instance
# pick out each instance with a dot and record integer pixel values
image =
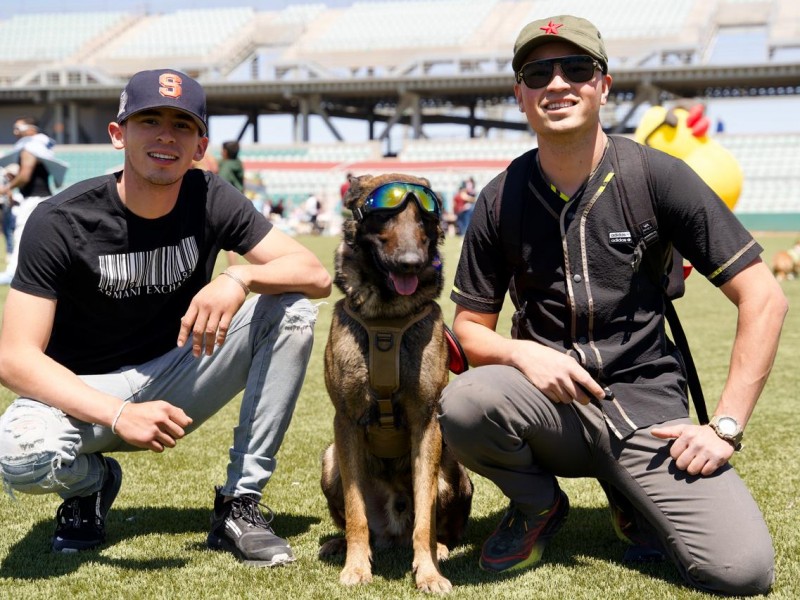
(388, 267)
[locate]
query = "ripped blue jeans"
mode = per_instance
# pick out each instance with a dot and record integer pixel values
(43, 450)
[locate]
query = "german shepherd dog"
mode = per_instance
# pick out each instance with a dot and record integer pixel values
(387, 477)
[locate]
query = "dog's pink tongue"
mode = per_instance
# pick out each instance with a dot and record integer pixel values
(405, 285)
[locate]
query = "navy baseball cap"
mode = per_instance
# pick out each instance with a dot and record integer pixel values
(164, 88)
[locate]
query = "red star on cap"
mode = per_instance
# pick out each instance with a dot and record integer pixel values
(552, 28)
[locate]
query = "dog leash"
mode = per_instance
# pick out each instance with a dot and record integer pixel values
(385, 440)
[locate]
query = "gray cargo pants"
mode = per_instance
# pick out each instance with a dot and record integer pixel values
(503, 428)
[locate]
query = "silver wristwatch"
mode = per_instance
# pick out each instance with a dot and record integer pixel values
(728, 429)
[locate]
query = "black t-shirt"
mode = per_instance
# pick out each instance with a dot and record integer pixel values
(574, 287)
(123, 282)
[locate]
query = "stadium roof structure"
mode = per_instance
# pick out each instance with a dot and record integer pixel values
(412, 99)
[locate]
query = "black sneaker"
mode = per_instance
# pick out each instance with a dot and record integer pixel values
(81, 521)
(239, 527)
(520, 539)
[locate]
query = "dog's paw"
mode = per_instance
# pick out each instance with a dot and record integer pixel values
(433, 583)
(428, 578)
(333, 547)
(355, 575)
(442, 552)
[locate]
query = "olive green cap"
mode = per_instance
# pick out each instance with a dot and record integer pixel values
(564, 28)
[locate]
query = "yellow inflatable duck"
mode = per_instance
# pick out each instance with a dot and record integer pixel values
(683, 132)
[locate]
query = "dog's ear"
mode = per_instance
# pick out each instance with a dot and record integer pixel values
(359, 188)
(349, 231)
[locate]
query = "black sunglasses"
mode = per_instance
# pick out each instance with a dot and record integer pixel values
(393, 196)
(578, 69)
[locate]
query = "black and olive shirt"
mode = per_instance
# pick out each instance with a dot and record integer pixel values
(573, 285)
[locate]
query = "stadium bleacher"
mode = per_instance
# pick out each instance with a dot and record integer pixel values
(368, 26)
(155, 37)
(368, 38)
(770, 191)
(28, 41)
(51, 36)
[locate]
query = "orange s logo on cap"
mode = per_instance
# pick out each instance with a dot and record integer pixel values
(169, 85)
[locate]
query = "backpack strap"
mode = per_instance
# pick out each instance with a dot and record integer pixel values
(513, 186)
(692, 377)
(631, 160)
(638, 205)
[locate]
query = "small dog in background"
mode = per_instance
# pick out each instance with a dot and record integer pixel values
(786, 263)
(387, 477)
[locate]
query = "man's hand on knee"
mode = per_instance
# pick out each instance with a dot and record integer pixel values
(696, 449)
(153, 425)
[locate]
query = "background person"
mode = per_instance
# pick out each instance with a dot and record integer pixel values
(116, 337)
(534, 407)
(463, 205)
(345, 185)
(32, 179)
(231, 170)
(278, 208)
(313, 208)
(8, 202)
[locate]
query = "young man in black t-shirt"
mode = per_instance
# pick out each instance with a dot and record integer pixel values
(590, 385)
(116, 337)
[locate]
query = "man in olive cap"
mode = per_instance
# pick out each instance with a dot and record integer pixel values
(589, 385)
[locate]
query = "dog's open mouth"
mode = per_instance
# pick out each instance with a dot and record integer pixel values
(405, 285)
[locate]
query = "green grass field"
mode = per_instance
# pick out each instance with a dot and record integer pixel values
(157, 527)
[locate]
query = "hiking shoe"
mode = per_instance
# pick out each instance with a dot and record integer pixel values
(520, 539)
(644, 545)
(239, 527)
(81, 521)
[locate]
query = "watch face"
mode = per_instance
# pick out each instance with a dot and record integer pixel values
(727, 426)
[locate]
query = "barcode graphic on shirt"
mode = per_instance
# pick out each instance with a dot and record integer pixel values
(159, 269)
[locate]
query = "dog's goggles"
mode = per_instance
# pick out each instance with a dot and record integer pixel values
(578, 69)
(393, 196)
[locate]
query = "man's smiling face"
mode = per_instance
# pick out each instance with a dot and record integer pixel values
(161, 144)
(562, 106)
